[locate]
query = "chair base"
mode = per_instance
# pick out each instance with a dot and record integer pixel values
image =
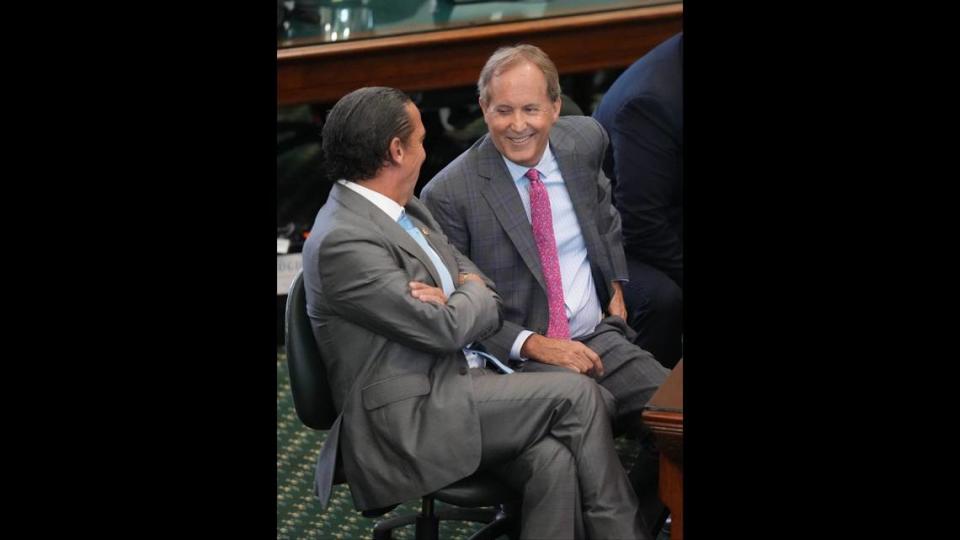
(427, 522)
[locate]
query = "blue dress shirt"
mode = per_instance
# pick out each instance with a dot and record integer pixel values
(579, 292)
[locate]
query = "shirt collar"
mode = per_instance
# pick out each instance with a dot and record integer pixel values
(547, 163)
(381, 201)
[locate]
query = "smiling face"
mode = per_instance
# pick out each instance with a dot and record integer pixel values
(519, 113)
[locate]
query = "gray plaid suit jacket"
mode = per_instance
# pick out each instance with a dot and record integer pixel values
(476, 203)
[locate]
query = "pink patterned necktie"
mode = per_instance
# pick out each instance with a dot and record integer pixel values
(542, 220)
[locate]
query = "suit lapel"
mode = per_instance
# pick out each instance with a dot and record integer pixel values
(501, 194)
(580, 184)
(391, 229)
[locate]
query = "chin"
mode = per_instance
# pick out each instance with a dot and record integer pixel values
(526, 160)
(520, 158)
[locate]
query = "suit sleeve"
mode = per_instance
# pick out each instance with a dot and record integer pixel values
(646, 157)
(366, 285)
(608, 218)
(452, 222)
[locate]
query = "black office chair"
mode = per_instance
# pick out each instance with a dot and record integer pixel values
(314, 406)
(569, 107)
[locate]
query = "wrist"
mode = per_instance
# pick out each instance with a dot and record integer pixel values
(464, 277)
(529, 347)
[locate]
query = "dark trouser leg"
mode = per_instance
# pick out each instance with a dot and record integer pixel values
(655, 311)
(519, 411)
(645, 478)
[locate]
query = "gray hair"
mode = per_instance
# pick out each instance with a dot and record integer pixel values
(506, 57)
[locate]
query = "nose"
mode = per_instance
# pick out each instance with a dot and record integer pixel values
(517, 121)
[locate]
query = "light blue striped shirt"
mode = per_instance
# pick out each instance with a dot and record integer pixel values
(579, 293)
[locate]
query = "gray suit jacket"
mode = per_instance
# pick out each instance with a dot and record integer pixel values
(408, 424)
(478, 206)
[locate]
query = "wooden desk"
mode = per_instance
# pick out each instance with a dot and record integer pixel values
(664, 415)
(451, 58)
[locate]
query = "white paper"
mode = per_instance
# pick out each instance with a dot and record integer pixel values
(287, 268)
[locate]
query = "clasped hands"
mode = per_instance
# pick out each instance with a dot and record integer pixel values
(570, 354)
(567, 353)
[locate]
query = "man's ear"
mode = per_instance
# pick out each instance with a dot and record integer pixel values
(557, 105)
(396, 150)
(483, 105)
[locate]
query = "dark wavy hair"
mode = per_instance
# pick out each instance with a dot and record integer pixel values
(358, 131)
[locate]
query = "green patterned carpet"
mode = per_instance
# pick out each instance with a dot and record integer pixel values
(298, 513)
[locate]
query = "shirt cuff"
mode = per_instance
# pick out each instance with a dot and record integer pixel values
(518, 344)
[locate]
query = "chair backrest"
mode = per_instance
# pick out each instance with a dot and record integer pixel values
(569, 107)
(308, 377)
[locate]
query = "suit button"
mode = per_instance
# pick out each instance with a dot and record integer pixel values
(463, 370)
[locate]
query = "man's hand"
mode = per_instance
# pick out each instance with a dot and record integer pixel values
(426, 293)
(565, 353)
(617, 306)
(467, 276)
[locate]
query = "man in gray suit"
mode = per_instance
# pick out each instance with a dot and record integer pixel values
(393, 306)
(560, 276)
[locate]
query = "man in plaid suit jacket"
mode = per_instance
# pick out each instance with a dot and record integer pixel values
(481, 201)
